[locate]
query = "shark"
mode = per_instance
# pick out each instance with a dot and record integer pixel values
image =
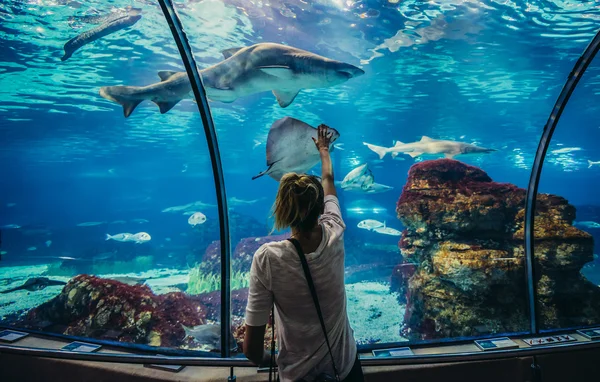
(35, 283)
(282, 69)
(592, 163)
(429, 145)
(110, 26)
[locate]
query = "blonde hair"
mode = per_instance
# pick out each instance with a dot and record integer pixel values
(299, 202)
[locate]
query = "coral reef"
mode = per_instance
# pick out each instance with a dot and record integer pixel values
(463, 268)
(89, 306)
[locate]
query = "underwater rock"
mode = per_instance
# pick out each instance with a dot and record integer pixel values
(240, 226)
(90, 306)
(463, 270)
(241, 259)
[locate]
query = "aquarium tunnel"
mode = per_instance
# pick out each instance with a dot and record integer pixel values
(142, 144)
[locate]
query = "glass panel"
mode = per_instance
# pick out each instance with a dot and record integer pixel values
(119, 209)
(434, 248)
(568, 220)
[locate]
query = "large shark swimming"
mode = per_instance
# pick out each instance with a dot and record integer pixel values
(282, 69)
(429, 146)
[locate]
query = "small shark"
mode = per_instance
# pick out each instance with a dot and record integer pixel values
(592, 163)
(110, 26)
(282, 69)
(429, 146)
(587, 224)
(35, 283)
(360, 177)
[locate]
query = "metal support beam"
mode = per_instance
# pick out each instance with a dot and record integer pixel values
(185, 50)
(532, 190)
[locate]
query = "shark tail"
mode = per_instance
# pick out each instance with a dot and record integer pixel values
(590, 164)
(123, 96)
(379, 150)
(108, 237)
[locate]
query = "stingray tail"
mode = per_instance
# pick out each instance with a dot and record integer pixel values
(263, 172)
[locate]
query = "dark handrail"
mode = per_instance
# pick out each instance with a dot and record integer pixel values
(191, 68)
(467, 356)
(574, 77)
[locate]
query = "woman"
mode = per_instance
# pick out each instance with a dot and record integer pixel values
(277, 276)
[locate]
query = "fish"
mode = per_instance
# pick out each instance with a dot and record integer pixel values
(97, 18)
(370, 224)
(108, 27)
(235, 202)
(123, 237)
(209, 334)
(587, 224)
(291, 149)
(130, 280)
(361, 177)
(387, 231)
(3, 252)
(565, 150)
(31, 248)
(591, 163)
(429, 146)
(256, 144)
(196, 218)
(9, 205)
(35, 284)
(282, 69)
(11, 226)
(374, 188)
(189, 207)
(90, 224)
(48, 243)
(140, 237)
(140, 221)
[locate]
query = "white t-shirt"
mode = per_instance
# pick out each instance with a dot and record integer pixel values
(277, 275)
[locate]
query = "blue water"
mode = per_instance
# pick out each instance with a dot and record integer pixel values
(484, 72)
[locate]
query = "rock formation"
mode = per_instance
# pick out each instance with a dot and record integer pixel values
(463, 272)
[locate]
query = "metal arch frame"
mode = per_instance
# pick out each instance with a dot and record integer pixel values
(578, 70)
(185, 50)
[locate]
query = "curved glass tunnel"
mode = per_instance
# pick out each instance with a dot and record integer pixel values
(90, 167)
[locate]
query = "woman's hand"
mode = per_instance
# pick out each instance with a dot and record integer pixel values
(323, 137)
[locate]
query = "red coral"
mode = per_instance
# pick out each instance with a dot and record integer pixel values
(102, 308)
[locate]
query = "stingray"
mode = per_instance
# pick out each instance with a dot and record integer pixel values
(291, 149)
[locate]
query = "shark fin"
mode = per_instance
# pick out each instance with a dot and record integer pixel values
(449, 156)
(394, 154)
(426, 139)
(285, 98)
(129, 106)
(229, 52)
(414, 154)
(398, 143)
(280, 71)
(119, 94)
(166, 106)
(379, 150)
(166, 74)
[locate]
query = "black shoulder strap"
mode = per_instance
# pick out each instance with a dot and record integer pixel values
(313, 291)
